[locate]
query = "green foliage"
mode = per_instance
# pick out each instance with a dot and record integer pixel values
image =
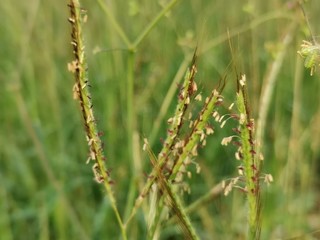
(137, 54)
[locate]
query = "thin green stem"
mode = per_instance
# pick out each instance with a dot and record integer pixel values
(269, 85)
(152, 24)
(152, 230)
(130, 100)
(130, 130)
(115, 24)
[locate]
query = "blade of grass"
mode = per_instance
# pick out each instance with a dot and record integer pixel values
(269, 84)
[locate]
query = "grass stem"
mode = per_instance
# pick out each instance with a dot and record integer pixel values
(153, 23)
(131, 123)
(115, 24)
(269, 84)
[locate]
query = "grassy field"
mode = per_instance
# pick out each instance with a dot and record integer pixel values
(49, 192)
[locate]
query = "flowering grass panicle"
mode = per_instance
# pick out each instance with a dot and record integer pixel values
(81, 92)
(249, 169)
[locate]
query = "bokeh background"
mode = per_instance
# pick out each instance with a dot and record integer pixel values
(47, 190)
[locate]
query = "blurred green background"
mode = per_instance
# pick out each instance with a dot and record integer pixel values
(48, 192)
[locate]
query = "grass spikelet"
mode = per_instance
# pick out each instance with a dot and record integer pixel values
(81, 92)
(251, 167)
(198, 133)
(249, 172)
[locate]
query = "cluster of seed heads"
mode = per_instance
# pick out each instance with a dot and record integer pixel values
(180, 149)
(311, 54)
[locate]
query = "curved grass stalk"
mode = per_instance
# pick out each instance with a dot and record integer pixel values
(81, 92)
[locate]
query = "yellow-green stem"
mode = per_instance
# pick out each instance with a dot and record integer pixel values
(131, 118)
(115, 24)
(153, 23)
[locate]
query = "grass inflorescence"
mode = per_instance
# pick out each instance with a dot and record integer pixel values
(81, 92)
(180, 148)
(178, 151)
(249, 169)
(163, 116)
